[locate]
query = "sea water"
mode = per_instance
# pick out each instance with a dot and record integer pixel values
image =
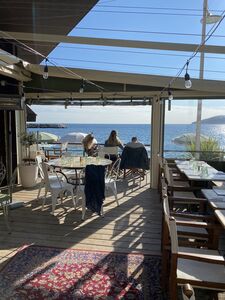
(142, 131)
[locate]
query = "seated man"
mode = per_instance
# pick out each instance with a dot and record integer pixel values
(134, 143)
(135, 158)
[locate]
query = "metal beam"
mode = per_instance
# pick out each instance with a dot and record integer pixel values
(15, 72)
(131, 78)
(182, 94)
(51, 38)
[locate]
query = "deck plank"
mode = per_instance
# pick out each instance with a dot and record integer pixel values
(133, 226)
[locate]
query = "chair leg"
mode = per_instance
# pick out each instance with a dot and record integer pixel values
(5, 210)
(61, 198)
(73, 199)
(114, 189)
(83, 207)
(44, 198)
(54, 201)
(102, 211)
(39, 190)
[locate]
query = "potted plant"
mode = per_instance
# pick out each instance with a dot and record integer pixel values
(28, 169)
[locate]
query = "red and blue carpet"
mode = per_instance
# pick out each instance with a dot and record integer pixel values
(66, 274)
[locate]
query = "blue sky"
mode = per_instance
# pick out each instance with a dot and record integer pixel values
(168, 21)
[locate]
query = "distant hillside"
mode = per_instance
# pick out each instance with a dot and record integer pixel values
(213, 120)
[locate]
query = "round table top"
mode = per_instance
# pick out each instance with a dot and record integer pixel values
(79, 162)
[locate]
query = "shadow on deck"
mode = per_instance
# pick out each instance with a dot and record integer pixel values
(133, 227)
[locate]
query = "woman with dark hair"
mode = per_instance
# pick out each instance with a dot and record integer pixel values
(113, 140)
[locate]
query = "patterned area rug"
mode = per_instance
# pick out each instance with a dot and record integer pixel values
(66, 274)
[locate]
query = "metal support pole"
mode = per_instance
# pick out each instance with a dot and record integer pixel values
(156, 140)
(201, 74)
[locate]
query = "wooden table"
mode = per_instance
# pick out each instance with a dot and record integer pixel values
(220, 214)
(199, 171)
(217, 203)
(214, 200)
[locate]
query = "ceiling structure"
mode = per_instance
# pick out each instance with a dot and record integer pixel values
(38, 25)
(42, 17)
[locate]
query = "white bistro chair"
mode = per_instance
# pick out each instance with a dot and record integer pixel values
(108, 152)
(110, 183)
(55, 187)
(51, 176)
(111, 178)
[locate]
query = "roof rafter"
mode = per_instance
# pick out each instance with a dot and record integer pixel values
(52, 38)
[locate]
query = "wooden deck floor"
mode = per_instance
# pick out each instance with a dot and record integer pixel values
(134, 226)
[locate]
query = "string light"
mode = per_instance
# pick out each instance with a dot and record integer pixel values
(23, 99)
(170, 95)
(187, 83)
(81, 90)
(45, 74)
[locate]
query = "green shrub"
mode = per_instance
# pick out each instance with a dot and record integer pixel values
(27, 139)
(210, 149)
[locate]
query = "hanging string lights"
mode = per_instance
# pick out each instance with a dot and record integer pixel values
(45, 74)
(170, 95)
(81, 90)
(187, 82)
(170, 98)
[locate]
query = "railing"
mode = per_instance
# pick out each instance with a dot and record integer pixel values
(77, 148)
(203, 155)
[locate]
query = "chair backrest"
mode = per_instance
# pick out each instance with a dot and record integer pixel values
(134, 158)
(64, 146)
(107, 151)
(45, 168)
(94, 187)
(173, 235)
(113, 172)
(111, 150)
(67, 154)
(168, 175)
(39, 161)
(166, 211)
(2, 172)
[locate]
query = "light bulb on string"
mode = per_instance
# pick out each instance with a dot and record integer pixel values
(170, 95)
(81, 90)
(45, 74)
(23, 99)
(187, 82)
(170, 98)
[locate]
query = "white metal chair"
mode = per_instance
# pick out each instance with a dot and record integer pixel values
(51, 177)
(57, 152)
(108, 152)
(55, 187)
(80, 192)
(111, 178)
(5, 194)
(110, 183)
(4, 204)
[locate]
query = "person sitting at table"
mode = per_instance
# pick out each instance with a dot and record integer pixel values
(90, 148)
(134, 143)
(113, 140)
(134, 158)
